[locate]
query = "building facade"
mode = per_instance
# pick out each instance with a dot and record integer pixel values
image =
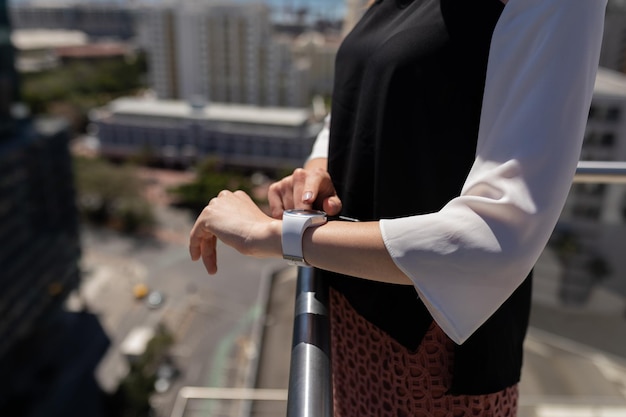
(98, 20)
(47, 354)
(605, 140)
(178, 133)
(228, 53)
(589, 237)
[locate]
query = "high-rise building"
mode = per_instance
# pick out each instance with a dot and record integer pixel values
(221, 52)
(8, 75)
(47, 355)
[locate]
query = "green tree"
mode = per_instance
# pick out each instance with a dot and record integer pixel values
(211, 178)
(110, 195)
(77, 87)
(132, 398)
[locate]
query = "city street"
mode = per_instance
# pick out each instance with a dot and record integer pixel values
(212, 318)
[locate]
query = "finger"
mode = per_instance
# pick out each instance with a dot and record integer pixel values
(198, 233)
(304, 190)
(275, 201)
(209, 254)
(280, 197)
(195, 241)
(332, 205)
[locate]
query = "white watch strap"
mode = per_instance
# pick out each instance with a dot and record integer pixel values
(293, 228)
(295, 222)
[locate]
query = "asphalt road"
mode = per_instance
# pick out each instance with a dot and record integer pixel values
(212, 318)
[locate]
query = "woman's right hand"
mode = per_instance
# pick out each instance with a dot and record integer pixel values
(307, 188)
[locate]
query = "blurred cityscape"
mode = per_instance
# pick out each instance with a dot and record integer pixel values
(120, 119)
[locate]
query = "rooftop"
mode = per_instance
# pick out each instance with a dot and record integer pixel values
(29, 39)
(291, 117)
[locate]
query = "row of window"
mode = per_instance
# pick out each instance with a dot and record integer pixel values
(222, 143)
(611, 114)
(606, 139)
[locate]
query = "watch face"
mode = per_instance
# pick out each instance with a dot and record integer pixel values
(305, 213)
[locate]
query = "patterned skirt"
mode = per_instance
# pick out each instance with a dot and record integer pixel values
(374, 375)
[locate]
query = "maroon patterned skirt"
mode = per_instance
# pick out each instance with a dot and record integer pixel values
(374, 375)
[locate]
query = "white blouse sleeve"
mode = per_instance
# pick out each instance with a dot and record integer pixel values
(468, 258)
(320, 146)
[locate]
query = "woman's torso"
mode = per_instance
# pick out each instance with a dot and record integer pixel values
(405, 115)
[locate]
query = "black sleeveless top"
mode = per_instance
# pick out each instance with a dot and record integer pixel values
(405, 114)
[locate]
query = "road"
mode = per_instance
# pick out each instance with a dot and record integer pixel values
(212, 318)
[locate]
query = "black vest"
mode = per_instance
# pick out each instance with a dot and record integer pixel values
(406, 106)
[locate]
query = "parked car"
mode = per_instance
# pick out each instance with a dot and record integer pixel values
(155, 299)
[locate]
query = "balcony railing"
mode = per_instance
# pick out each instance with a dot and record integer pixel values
(601, 172)
(310, 390)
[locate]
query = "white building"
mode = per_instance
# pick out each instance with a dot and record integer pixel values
(223, 52)
(605, 140)
(179, 133)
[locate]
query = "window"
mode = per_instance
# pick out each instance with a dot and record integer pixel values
(613, 114)
(608, 139)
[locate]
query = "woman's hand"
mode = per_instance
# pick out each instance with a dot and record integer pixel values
(306, 188)
(236, 220)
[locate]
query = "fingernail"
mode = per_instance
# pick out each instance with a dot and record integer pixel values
(307, 196)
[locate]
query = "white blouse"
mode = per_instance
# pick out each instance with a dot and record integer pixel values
(469, 257)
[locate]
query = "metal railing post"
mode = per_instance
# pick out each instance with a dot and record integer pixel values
(310, 390)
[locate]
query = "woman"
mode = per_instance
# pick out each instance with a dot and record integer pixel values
(455, 131)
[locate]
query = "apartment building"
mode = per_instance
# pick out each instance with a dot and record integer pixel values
(223, 52)
(605, 140)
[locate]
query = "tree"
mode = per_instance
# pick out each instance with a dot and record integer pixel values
(110, 195)
(132, 398)
(211, 178)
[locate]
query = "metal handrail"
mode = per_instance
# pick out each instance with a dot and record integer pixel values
(310, 390)
(610, 172)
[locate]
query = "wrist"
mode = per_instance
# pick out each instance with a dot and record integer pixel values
(264, 240)
(275, 228)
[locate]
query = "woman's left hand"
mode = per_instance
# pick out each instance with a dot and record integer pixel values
(235, 219)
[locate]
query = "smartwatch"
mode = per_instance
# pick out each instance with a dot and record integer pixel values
(295, 222)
